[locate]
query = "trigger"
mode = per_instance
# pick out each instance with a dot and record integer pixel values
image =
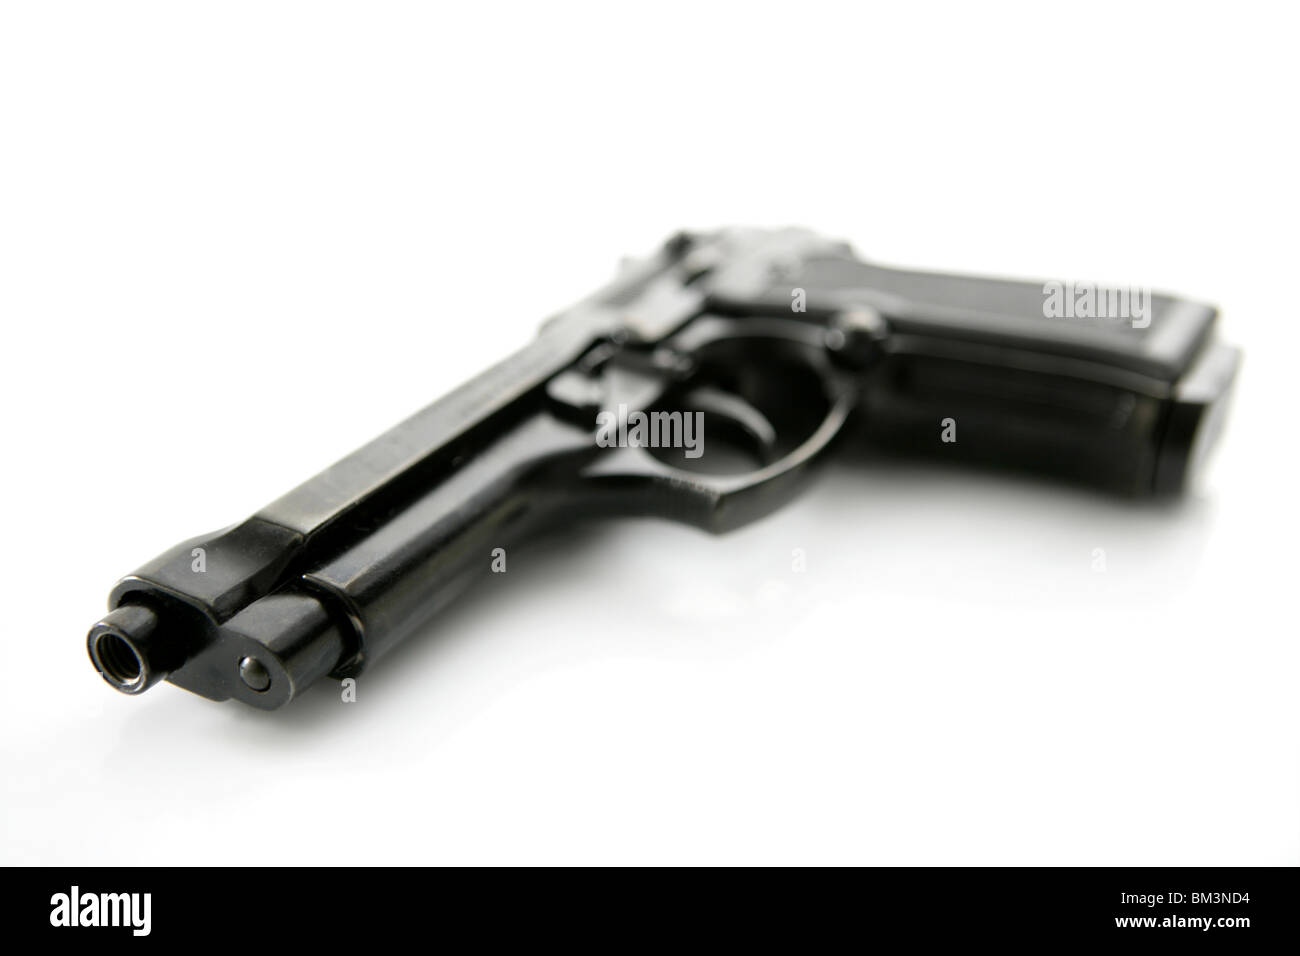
(737, 413)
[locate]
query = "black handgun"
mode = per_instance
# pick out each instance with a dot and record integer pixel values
(701, 384)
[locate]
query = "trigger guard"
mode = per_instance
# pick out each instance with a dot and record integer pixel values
(632, 481)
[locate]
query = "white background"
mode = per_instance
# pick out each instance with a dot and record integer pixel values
(238, 240)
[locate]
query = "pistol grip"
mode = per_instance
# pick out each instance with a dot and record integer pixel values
(1008, 373)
